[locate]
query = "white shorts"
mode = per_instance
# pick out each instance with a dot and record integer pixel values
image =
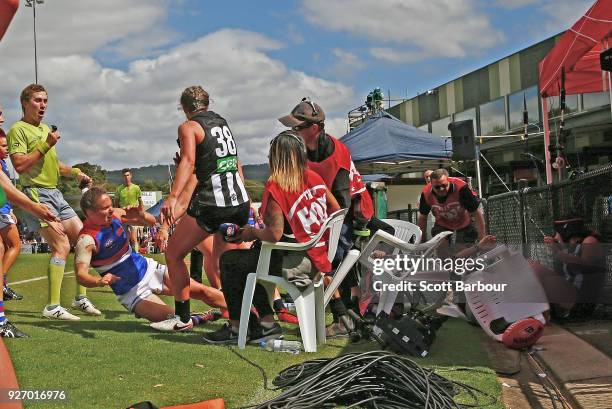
(6, 220)
(151, 283)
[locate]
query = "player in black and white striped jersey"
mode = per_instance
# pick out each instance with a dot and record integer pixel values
(208, 153)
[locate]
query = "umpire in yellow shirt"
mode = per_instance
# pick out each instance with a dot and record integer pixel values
(32, 150)
(129, 195)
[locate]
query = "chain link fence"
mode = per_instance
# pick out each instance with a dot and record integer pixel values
(520, 219)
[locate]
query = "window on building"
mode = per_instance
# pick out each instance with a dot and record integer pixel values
(465, 115)
(515, 106)
(440, 127)
(595, 100)
(493, 117)
(571, 105)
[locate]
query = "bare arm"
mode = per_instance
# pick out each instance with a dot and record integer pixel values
(480, 223)
(135, 215)
(82, 259)
(422, 223)
(591, 255)
(18, 198)
(187, 133)
(274, 221)
(24, 161)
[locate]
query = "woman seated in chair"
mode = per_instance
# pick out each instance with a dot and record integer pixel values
(295, 205)
(574, 284)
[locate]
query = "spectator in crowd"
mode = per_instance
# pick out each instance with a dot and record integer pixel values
(128, 194)
(427, 176)
(452, 203)
(574, 284)
(331, 159)
(292, 189)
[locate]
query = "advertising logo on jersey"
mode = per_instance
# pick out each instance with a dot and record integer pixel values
(356, 181)
(311, 209)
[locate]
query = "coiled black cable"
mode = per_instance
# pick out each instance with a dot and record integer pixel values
(375, 379)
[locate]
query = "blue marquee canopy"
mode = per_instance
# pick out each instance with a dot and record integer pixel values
(384, 144)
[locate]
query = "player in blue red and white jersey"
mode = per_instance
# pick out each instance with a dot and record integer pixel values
(136, 280)
(8, 228)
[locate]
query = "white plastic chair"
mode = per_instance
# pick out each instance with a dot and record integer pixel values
(309, 302)
(404, 231)
(420, 250)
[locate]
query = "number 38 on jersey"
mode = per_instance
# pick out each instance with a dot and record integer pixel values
(225, 141)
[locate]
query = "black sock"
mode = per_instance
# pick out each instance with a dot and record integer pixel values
(337, 308)
(278, 305)
(183, 310)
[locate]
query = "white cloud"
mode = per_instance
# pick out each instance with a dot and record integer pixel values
(515, 4)
(128, 117)
(564, 13)
(405, 30)
(395, 56)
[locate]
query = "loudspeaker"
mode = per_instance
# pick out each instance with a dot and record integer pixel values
(605, 58)
(462, 134)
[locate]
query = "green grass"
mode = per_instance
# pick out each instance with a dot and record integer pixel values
(116, 360)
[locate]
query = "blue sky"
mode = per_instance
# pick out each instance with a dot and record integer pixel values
(115, 69)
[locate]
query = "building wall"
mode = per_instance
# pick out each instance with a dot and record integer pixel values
(400, 196)
(508, 75)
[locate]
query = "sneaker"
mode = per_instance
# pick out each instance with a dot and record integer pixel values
(224, 335)
(9, 294)
(260, 333)
(285, 316)
(86, 306)
(59, 313)
(8, 330)
(172, 324)
(204, 317)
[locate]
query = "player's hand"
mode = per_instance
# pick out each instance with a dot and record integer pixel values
(42, 212)
(84, 179)
(136, 212)
(53, 137)
(108, 279)
(58, 227)
(167, 210)
(243, 234)
(162, 239)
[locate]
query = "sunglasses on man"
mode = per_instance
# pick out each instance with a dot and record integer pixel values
(441, 187)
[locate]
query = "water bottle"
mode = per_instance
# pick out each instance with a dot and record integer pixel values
(280, 345)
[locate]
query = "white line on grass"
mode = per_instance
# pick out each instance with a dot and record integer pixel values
(29, 280)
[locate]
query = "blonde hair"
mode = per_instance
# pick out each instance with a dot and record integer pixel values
(288, 161)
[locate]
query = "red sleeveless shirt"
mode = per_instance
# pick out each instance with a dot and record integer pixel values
(450, 213)
(341, 159)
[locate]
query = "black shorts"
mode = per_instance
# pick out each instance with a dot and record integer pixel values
(209, 218)
(468, 234)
